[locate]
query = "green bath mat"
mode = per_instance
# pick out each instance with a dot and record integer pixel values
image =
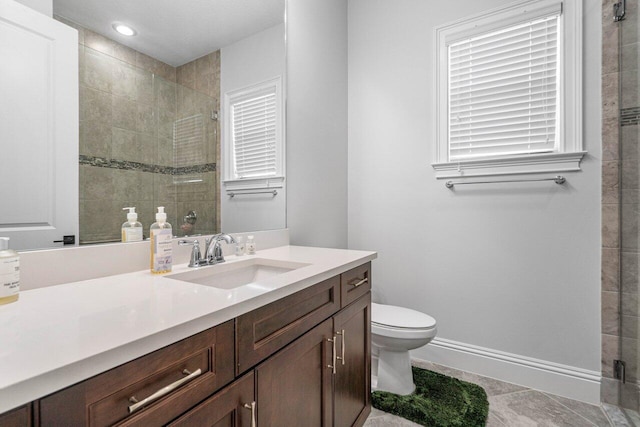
(438, 401)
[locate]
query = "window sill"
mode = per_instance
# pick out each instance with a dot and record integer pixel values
(539, 163)
(231, 185)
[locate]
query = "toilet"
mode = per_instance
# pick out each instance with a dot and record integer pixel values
(395, 331)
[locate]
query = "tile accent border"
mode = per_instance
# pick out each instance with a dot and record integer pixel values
(630, 116)
(144, 167)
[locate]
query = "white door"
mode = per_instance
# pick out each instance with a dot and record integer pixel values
(38, 128)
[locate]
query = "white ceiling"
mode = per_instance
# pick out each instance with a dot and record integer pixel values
(175, 31)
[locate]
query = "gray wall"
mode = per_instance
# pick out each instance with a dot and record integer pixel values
(317, 122)
(512, 268)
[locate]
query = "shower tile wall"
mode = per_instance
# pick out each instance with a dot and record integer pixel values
(198, 94)
(620, 206)
(610, 392)
(129, 103)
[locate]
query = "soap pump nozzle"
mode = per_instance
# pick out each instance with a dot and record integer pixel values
(132, 216)
(161, 216)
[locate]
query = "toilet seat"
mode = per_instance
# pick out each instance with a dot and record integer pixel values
(400, 317)
(409, 333)
(400, 322)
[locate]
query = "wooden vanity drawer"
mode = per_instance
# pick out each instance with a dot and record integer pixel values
(104, 400)
(267, 329)
(355, 283)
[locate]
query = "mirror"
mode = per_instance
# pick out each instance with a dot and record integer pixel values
(151, 119)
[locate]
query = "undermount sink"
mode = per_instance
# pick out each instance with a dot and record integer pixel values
(236, 274)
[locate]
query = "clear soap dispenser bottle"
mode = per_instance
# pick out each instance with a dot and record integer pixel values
(9, 273)
(132, 229)
(161, 244)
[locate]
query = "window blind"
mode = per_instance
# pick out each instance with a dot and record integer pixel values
(503, 91)
(254, 136)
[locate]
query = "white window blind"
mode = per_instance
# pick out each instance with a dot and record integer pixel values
(503, 89)
(253, 124)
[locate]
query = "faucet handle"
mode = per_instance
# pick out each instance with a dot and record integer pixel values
(195, 260)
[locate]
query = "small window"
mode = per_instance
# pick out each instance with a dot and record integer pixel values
(508, 101)
(253, 136)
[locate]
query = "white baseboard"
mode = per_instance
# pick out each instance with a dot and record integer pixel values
(568, 381)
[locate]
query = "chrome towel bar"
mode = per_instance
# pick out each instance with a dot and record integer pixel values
(559, 179)
(232, 194)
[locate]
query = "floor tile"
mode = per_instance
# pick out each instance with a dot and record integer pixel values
(494, 421)
(388, 420)
(592, 413)
(533, 408)
(616, 415)
(633, 417)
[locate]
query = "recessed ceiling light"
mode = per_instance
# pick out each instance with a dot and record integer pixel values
(124, 29)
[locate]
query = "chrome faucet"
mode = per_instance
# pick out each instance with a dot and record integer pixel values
(213, 250)
(212, 253)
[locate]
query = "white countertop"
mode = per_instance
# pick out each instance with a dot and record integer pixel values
(56, 336)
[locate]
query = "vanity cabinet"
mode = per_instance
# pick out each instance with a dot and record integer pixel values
(198, 365)
(304, 359)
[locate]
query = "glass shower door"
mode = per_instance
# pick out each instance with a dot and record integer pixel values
(629, 196)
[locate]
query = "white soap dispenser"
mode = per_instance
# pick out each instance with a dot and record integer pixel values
(132, 229)
(251, 245)
(9, 273)
(161, 244)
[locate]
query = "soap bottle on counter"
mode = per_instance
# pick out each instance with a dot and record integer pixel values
(239, 246)
(9, 273)
(251, 245)
(161, 243)
(132, 229)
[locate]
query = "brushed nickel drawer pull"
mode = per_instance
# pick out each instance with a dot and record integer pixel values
(341, 357)
(163, 391)
(252, 406)
(361, 282)
(334, 354)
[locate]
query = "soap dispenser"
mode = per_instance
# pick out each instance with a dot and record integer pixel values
(132, 229)
(9, 273)
(251, 245)
(161, 244)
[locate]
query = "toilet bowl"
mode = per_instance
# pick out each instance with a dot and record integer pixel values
(395, 331)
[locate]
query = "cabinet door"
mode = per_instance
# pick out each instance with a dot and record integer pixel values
(352, 327)
(20, 417)
(230, 407)
(294, 386)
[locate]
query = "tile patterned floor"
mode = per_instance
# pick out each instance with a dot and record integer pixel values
(512, 405)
